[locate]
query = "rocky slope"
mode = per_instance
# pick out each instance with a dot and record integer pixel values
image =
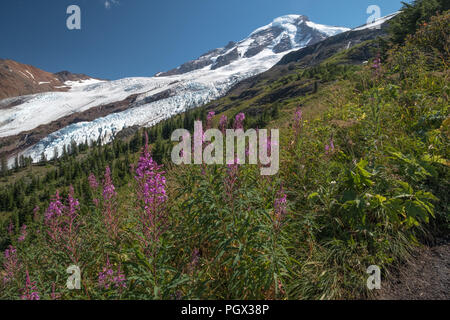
(17, 79)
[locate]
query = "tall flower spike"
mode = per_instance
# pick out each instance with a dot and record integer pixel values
(151, 193)
(10, 228)
(329, 148)
(231, 180)
(298, 118)
(110, 214)
(109, 278)
(23, 233)
(280, 206)
(30, 291)
(223, 123)
(93, 181)
(239, 121)
(11, 264)
(55, 208)
(54, 295)
(209, 118)
(194, 260)
(377, 65)
(62, 224)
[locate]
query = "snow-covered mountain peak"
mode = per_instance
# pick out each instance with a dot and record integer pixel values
(287, 22)
(282, 34)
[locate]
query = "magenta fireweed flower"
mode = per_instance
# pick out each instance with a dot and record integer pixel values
(54, 295)
(298, 121)
(110, 214)
(223, 123)
(377, 65)
(11, 264)
(239, 121)
(109, 278)
(62, 225)
(298, 117)
(231, 180)
(280, 209)
(10, 228)
(23, 233)
(109, 191)
(151, 193)
(30, 291)
(209, 118)
(329, 148)
(93, 181)
(73, 204)
(195, 257)
(194, 260)
(55, 208)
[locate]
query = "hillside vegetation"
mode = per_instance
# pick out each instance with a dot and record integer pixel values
(363, 180)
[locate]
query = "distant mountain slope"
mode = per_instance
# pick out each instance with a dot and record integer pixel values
(17, 79)
(280, 83)
(316, 53)
(283, 34)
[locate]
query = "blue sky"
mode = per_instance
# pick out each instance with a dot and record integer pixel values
(123, 38)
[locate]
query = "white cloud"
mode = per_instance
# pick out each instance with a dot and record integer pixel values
(110, 3)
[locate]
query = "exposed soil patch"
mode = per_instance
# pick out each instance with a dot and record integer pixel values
(425, 277)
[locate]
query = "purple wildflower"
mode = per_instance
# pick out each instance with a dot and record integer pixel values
(377, 65)
(151, 192)
(239, 121)
(209, 118)
(73, 204)
(109, 278)
(53, 294)
(62, 225)
(10, 228)
(223, 123)
(11, 264)
(195, 260)
(231, 180)
(55, 208)
(23, 233)
(93, 181)
(30, 291)
(110, 214)
(298, 121)
(329, 148)
(280, 206)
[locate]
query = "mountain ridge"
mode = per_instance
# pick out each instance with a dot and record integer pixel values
(279, 35)
(19, 79)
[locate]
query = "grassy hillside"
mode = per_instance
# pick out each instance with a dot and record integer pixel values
(364, 179)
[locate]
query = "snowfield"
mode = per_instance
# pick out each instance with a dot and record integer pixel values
(187, 91)
(377, 22)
